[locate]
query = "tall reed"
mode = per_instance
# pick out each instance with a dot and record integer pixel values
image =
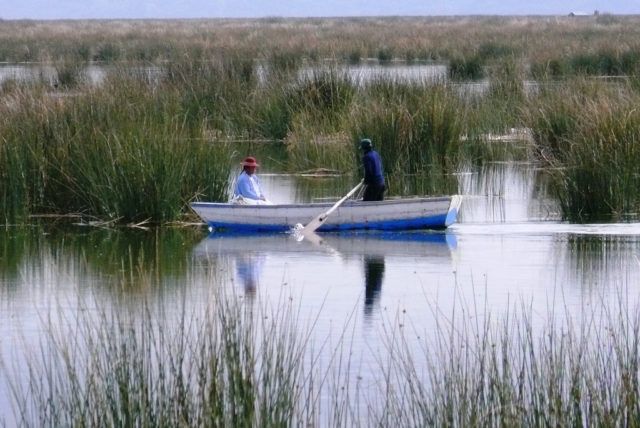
(417, 128)
(213, 81)
(226, 368)
(320, 104)
(593, 135)
(225, 363)
(118, 152)
(608, 61)
(507, 372)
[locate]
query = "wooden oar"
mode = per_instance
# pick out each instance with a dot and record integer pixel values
(320, 219)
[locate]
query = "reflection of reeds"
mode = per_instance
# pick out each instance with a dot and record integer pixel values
(131, 256)
(599, 261)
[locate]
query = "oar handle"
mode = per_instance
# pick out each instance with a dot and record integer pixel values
(319, 220)
(347, 196)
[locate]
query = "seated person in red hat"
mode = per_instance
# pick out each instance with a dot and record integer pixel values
(248, 188)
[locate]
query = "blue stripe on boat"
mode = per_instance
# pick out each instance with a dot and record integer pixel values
(420, 223)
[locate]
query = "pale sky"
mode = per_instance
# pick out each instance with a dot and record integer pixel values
(82, 9)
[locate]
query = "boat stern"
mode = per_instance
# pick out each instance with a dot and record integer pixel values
(454, 207)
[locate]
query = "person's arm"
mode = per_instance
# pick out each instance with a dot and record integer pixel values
(257, 180)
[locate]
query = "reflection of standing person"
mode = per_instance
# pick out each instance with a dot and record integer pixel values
(248, 185)
(373, 174)
(373, 274)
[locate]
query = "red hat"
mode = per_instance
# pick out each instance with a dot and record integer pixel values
(250, 161)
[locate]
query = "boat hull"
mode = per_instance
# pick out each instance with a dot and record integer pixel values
(392, 214)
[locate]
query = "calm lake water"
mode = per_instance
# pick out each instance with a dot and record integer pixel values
(508, 250)
(96, 73)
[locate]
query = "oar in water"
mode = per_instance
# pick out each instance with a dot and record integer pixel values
(320, 219)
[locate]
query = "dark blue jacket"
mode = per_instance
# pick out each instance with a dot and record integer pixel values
(372, 164)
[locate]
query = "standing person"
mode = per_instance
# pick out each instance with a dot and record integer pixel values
(248, 188)
(373, 174)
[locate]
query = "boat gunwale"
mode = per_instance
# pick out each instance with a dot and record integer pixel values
(358, 203)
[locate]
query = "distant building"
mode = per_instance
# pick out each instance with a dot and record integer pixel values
(595, 13)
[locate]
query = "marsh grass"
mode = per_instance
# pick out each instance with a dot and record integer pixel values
(481, 371)
(326, 93)
(214, 94)
(593, 135)
(173, 83)
(141, 368)
(607, 61)
(286, 43)
(320, 104)
(466, 68)
(415, 128)
(120, 152)
(231, 362)
(68, 75)
(309, 149)
(497, 112)
(429, 182)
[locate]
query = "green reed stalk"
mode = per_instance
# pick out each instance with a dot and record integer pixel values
(502, 373)
(416, 128)
(119, 152)
(230, 368)
(317, 110)
(594, 136)
(245, 366)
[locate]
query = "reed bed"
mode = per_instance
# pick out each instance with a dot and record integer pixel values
(119, 152)
(242, 365)
(504, 372)
(591, 134)
(133, 369)
(480, 40)
(414, 127)
(320, 104)
(158, 131)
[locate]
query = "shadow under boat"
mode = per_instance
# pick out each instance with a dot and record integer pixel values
(415, 243)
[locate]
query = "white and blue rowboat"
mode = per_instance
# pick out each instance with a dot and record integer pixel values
(391, 214)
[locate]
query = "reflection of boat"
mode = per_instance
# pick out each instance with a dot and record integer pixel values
(392, 214)
(423, 243)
